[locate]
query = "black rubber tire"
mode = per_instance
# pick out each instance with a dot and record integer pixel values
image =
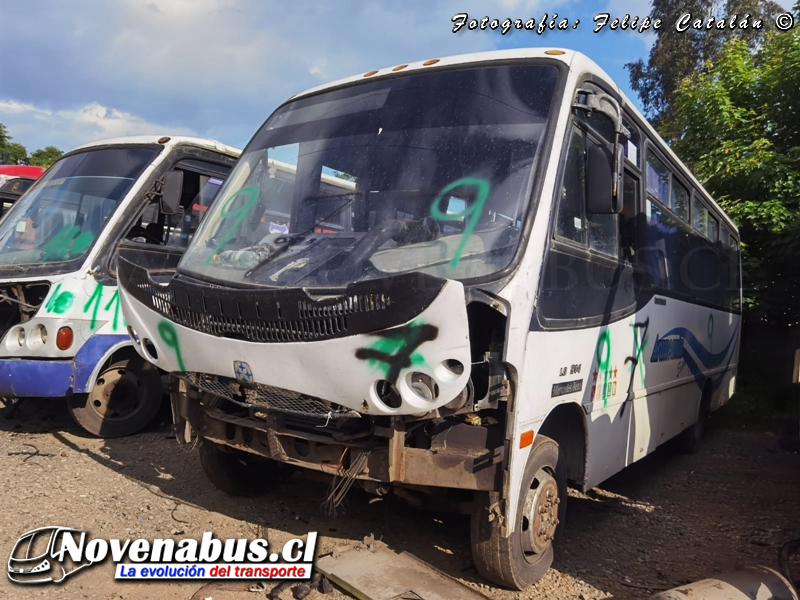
(239, 473)
(502, 560)
(689, 440)
(138, 381)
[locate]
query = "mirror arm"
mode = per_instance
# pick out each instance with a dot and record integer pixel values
(155, 190)
(608, 106)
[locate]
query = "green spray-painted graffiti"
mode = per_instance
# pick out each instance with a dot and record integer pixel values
(239, 214)
(96, 301)
(603, 356)
(115, 302)
(93, 304)
(59, 302)
(170, 337)
(395, 350)
(639, 344)
(473, 212)
(68, 241)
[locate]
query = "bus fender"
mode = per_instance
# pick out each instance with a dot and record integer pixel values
(95, 353)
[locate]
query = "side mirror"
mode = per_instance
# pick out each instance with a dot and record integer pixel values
(600, 181)
(171, 192)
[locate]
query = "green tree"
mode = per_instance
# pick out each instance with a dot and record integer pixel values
(737, 124)
(44, 157)
(676, 55)
(346, 176)
(16, 152)
(4, 137)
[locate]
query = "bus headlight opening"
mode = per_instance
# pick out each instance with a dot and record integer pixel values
(37, 337)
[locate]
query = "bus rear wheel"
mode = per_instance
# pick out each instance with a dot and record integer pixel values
(126, 396)
(239, 473)
(523, 558)
(688, 441)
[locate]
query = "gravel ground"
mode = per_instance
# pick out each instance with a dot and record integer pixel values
(665, 521)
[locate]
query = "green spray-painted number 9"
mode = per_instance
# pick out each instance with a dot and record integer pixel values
(473, 212)
(237, 214)
(170, 338)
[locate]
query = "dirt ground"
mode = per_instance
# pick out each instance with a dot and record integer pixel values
(667, 520)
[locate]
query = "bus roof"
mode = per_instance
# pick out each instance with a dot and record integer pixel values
(21, 171)
(171, 140)
(576, 61)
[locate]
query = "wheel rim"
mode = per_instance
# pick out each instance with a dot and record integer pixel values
(540, 513)
(117, 394)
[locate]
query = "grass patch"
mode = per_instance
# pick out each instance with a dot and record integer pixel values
(761, 407)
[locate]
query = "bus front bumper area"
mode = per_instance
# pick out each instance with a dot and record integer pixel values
(24, 378)
(54, 378)
(457, 459)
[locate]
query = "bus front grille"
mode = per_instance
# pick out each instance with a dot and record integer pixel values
(267, 398)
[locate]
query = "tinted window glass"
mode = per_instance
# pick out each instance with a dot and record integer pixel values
(661, 254)
(570, 222)
(407, 146)
(680, 201)
(60, 219)
(703, 221)
(658, 179)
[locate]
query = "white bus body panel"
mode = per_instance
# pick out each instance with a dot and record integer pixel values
(327, 369)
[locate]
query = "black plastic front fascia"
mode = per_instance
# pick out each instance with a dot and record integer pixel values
(270, 315)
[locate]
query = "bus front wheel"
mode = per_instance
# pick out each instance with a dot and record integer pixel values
(239, 473)
(523, 558)
(126, 396)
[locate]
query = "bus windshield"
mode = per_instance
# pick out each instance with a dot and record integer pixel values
(425, 172)
(63, 214)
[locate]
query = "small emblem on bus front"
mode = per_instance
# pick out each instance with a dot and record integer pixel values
(242, 371)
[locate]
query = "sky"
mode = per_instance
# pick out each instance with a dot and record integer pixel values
(85, 70)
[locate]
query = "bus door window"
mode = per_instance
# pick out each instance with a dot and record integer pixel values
(199, 190)
(574, 222)
(197, 193)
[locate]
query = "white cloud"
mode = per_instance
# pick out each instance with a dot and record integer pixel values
(72, 127)
(218, 67)
(13, 107)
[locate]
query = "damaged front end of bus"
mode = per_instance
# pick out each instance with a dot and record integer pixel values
(339, 309)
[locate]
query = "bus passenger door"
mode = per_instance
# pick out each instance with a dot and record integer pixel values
(646, 411)
(587, 303)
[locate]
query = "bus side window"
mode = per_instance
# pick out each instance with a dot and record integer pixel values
(627, 219)
(570, 223)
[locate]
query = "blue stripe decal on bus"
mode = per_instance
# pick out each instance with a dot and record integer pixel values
(708, 359)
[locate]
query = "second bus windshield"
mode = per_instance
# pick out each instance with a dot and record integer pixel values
(60, 219)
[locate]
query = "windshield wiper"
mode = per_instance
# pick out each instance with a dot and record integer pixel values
(296, 239)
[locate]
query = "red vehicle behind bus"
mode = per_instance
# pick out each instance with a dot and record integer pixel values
(15, 180)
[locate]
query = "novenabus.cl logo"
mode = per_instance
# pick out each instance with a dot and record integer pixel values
(39, 556)
(50, 554)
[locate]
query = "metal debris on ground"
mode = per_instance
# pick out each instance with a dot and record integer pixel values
(373, 571)
(751, 583)
(29, 454)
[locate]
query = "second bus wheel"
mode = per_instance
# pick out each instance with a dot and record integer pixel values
(239, 473)
(126, 397)
(523, 558)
